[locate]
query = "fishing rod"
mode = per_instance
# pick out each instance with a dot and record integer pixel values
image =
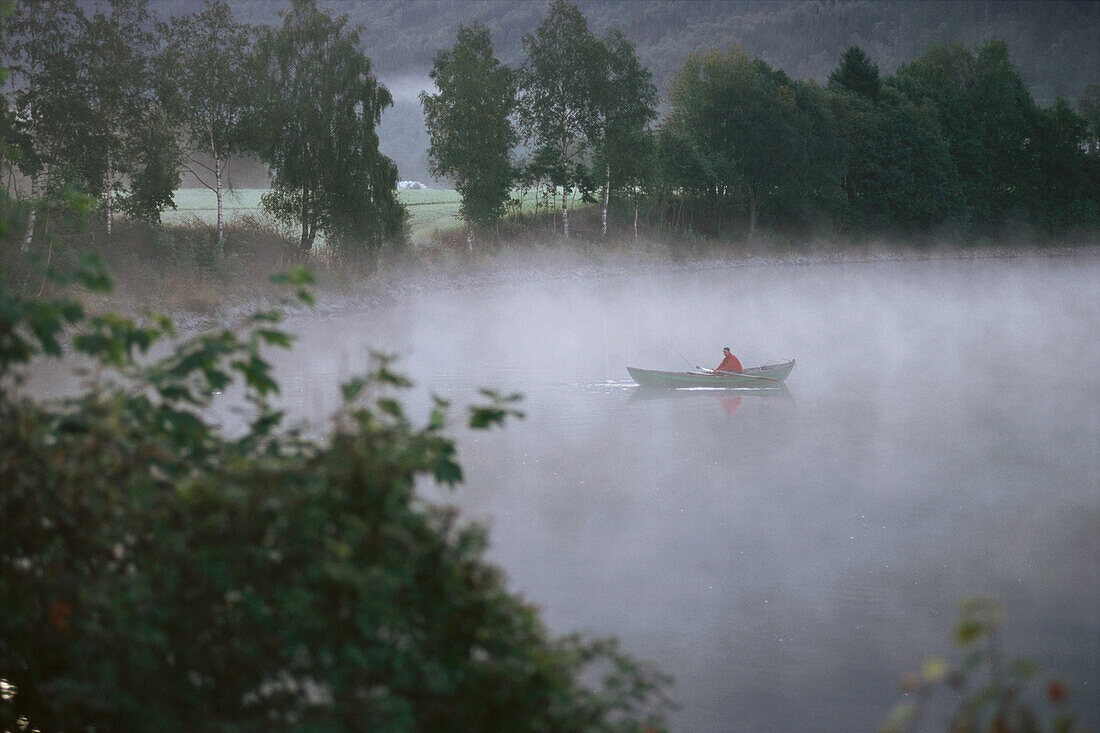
(693, 366)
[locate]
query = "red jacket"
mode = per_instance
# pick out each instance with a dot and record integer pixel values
(729, 364)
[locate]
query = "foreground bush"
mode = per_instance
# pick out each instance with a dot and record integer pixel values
(158, 575)
(983, 693)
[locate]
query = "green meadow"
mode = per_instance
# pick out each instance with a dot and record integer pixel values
(430, 210)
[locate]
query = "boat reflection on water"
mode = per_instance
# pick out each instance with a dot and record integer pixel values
(730, 400)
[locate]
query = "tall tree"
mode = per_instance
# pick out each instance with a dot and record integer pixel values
(625, 103)
(7, 125)
(1089, 107)
(681, 171)
(314, 124)
(39, 39)
(1062, 197)
(856, 73)
(128, 151)
(206, 57)
(558, 84)
(988, 118)
(470, 131)
(743, 115)
(898, 172)
(816, 189)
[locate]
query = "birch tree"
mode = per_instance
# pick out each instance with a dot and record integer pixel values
(314, 123)
(559, 82)
(39, 41)
(625, 103)
(205, 58)
(469, 125)
(127, 151)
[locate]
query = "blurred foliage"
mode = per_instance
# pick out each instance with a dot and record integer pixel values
(156, 574)
(988, 693)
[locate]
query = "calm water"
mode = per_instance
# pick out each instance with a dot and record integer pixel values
(786, 557)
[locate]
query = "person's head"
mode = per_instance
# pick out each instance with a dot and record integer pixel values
(725, 349)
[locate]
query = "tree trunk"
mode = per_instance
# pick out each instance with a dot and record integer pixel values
(218, 193)
(717, 208)
(29, 238)
(305, 244)
(606, 198)
(32, 214)
(564, 213)
(215, 153)
(110, 197)
(635, 217)
(753, 205)
(469, 237)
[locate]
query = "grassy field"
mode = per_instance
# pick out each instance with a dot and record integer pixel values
(430, 210)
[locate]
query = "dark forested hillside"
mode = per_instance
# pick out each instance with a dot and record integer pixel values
(1055, 45)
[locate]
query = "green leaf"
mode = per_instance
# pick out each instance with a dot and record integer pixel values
(438, 417)
(353, 388)
(486, 417)
(390, 407)
(933, 670)
(92, 274)
(385, 376)
(297, 275)
(275, 338)
(270, 316)
(900, 717)
(447, 472)
(969, 631)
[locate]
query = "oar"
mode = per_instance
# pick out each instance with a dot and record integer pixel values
(717, 373)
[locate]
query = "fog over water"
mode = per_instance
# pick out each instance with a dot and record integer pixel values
(786, 557)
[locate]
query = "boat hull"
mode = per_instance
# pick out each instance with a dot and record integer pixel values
(770, 376)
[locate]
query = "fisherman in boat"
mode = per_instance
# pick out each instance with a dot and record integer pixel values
(729, 362)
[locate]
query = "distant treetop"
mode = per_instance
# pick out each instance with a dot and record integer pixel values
(1052, 43)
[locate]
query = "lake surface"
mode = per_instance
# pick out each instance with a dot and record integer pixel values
(785, 557)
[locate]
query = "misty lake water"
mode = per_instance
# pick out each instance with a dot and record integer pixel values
(785, 557)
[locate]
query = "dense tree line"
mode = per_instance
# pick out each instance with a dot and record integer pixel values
(951, 139)
(111, 103)
(1052, 42)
